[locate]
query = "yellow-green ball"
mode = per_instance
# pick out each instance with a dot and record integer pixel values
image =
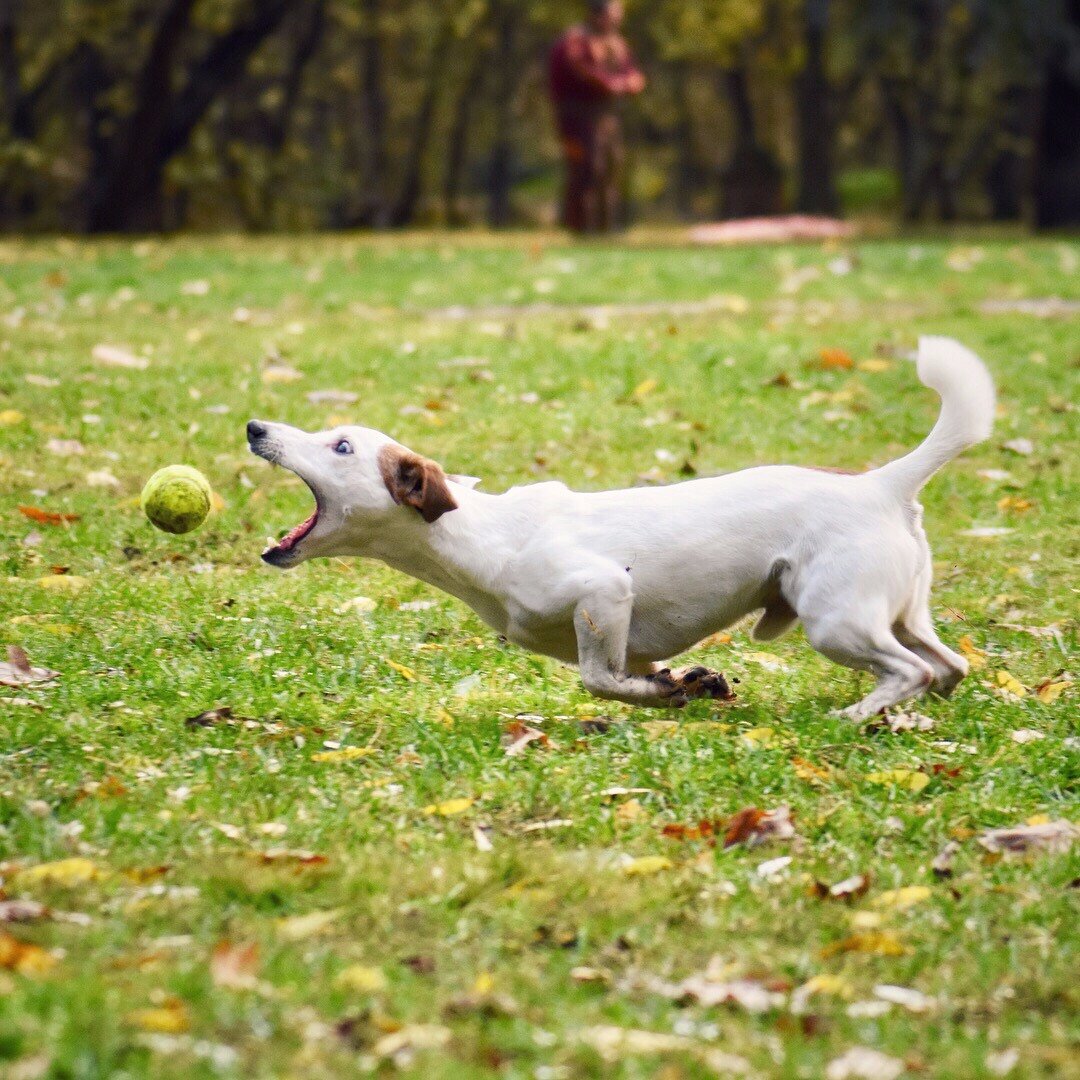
(177, 499)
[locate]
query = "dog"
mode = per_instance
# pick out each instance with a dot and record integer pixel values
(617, 582)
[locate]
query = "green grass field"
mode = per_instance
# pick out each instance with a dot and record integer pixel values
(244, 899)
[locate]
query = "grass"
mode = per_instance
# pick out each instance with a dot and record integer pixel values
(470, 953)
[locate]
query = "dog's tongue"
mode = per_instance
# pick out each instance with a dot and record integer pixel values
(293, 536)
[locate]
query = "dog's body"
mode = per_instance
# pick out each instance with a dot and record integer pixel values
(618, 580)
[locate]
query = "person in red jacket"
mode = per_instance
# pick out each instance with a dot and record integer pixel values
(590, 69)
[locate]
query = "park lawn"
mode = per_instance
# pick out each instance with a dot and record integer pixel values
(249, 900)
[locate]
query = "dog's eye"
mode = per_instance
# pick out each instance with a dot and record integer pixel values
(343, 446)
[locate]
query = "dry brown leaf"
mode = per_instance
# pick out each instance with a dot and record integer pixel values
(13, 911)
(517, 737)
(832, 359)
(753, 826)
(47, 517)
(1054, 837)
(17, 670)
(849, 889)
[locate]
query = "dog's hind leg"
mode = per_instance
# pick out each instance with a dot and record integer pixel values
(776, 620)
(915, 631)
(861, 638)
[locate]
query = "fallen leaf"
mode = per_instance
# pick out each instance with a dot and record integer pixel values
(101, 478)
(902, 721)
(874, 366)
(908, 779)
(332, 397)
(913, 1000)
(17, 670)
(113, 356)
(849, 889)
(975, 656)
(297, 856)
(297, 927)
(646, 865)
(1048, 692)
(63, 582)
(280, 373)
(24, 957)
(702, 830)
(659, 729)
(1014, 504)
(65, 872)
(753, 827)
(1055, 837)
(406, 673)
(1010, 684)
(1023, 447)
(774, 868)
(449, 807)
(347, 753)
(903, 898)
(748, 994)
(221, 714)
(47, 517)
(482, 838)
(1026, 735)
(401, 1045)
(864, 1063)
(362, 979)
(942, 865)
(234, 966)
(644, 389)
(878, 942)
(10, 416)
(832, 359)
(811, 773)
(517, 737)
(761, 738)
(15, 911)
(172, 1018)
(631, 811)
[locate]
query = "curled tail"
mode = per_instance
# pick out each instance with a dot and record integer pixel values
(967, 413)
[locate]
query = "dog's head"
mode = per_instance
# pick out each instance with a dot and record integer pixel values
(360, 478)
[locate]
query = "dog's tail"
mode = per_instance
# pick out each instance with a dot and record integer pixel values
(967, 413)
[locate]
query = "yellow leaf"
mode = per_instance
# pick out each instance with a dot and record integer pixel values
(347, 753)
(646, 865)
(63, 582)
(66, 872)
(445, 718)
(975, 656)
(811, 773)
(169, 1019)
(406, 673)
(826, 984)
(296, 927)
(1011, 684)
(874, 366)
(659, 729)
(644, 389)
(881, 942)
(1049, 692)
(631, 811)
(767, 660)
(1038, 819)
(24, 957)
(761, 737)
(903, 898)
(1014, 504)
(485, 983)
(364, 980)
(909, 779)
(11, 416)
(449, 807)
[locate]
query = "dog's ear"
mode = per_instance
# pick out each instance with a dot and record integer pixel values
(416, 481)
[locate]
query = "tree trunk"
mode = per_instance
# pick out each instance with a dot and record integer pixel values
(413, 176)
(752, 182)
(814, 110)
(500, 168)
(371, 205)
(1057, 156)
(124, 191)
(686, 171)
(125, 195)
(457, 142)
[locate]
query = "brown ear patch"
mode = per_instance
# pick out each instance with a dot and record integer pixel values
(416, 481)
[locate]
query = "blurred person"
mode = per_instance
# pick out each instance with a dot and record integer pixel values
(590, 70)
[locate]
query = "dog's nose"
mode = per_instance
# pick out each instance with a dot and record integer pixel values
(256, 429)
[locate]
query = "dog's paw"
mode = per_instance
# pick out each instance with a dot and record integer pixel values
(676, 688)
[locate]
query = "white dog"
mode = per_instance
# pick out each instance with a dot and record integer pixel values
(615, 581)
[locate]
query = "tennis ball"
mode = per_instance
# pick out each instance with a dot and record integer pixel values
(176, 499)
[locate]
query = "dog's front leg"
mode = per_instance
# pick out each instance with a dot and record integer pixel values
(602, 625)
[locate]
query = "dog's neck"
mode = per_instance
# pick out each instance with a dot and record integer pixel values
(449, 553)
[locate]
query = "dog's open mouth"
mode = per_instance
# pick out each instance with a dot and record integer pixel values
(294, 535)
